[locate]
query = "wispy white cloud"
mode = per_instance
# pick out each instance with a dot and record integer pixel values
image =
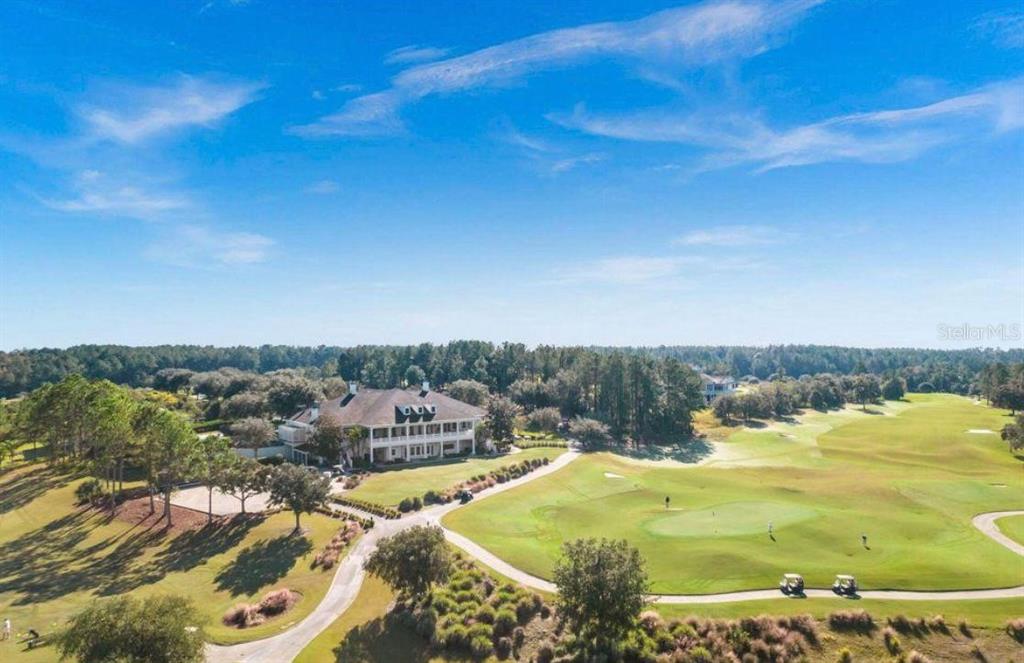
(323, 187)
(693, 35)
(645, 270)
(198, 246)
(569, 163)
(1005, 29)
(98, 194)
(886, 136)
(731, 236)
(551, 158)
(131, 114)
(412, 54)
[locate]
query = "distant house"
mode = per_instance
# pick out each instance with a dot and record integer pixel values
(401, 424)
(717, 385)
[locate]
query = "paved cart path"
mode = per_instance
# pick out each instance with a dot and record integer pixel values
(349, 578)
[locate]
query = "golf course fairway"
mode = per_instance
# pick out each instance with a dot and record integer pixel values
(909, 476)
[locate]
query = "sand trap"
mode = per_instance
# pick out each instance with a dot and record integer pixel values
(981, 431)
(998, 485)
(613, 475)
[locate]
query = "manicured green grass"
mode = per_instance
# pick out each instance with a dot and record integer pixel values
(56, 558)
(1013, 527)
(908, 475)
(371, 603)
(392, 486)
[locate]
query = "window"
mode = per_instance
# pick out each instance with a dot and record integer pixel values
(398, 431)
(465, 425)
(450, 427)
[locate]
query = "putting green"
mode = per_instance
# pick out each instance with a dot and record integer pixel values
(908, 475)
(730, 519)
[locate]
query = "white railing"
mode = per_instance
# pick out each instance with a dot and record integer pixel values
(414, 439)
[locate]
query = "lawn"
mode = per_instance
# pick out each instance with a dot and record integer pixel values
(393, 485)
(56, 558)
(1013, 527)
(908, 475)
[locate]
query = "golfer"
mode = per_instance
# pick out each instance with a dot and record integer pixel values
(864, 540)
(666, 501)
(769, 528)
(7, 629)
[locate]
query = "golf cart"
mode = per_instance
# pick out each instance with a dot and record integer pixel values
(339, 471)
(845, 585)
(464, 496)
(792, 584)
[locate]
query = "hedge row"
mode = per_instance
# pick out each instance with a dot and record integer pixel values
(371, 507)
(339, 514)
(542, 444)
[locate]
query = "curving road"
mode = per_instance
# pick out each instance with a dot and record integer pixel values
(349, 578)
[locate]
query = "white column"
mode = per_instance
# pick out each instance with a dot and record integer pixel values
(472, 432)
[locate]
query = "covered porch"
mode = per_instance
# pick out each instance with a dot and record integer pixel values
(415, 451)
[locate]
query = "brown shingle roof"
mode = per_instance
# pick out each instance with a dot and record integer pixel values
(382, 407)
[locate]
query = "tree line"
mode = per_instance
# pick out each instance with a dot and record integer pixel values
(112, 432)
(496, 365)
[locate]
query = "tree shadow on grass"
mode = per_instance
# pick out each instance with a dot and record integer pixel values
(58, 558)
(261, 564)
(26, 487)
(382, 639)
(691, 450)
(47, 563)
(192, 548)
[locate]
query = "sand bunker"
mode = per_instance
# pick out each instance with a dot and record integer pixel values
(981, 431)
(613, 475)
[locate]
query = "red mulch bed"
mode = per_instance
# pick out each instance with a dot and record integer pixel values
(136, 512)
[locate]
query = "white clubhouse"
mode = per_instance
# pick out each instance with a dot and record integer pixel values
(401, 424)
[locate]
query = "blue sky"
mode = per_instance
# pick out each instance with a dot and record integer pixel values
(843, 172)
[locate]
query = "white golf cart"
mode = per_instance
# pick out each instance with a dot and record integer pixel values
(845, 585)
(792, 584)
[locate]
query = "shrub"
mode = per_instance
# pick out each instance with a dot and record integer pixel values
(965, 628)
(426, 622)
(545, 653)
(277, 601)
(504, 621)
(370, 507)
(456, 637)
(700, 655)
(405, 506)
(938, 623)
(892, 641)
(978, 654)
(650, 621)
(525, 609)
(466, 596)
(844, 656)
(851, 620)
(503, 648)
(443, 605)
(902, 623)
(243, 615)
(485, 614)
(480, 647)
(90, 490)
(1015, 629)
(518, 636)
(917, 657)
